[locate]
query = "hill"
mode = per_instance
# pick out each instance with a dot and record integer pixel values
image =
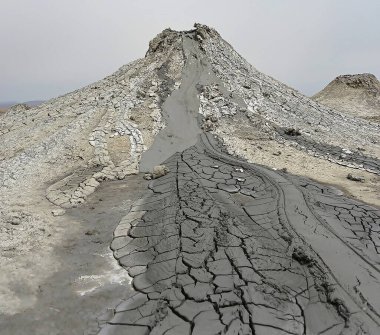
(357, 95)
(7, 104)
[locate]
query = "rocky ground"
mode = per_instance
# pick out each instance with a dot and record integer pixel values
(357, 95)
(238, 235)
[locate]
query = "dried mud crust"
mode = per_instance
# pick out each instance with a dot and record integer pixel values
(256, 146)
(277, 106)
(334, 153)
(104, 126)
(219, 246)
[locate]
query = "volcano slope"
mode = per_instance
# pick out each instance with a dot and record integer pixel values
(220, 244)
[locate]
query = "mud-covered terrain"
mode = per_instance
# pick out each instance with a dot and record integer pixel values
(227, 240)
(219, 246)
(82, 280)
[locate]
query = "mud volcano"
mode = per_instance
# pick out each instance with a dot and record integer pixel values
(220, 244)
(357, 95)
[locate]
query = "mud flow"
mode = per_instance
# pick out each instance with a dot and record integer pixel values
(219, 246)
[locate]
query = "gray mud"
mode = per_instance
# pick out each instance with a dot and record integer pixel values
(219, 246)
(180, 111)
(70, 300)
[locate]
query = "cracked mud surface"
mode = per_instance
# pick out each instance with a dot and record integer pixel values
(219, 246)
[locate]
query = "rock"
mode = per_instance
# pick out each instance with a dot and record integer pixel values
(213, 118)
(292, 132)
(208, 125)
(159, 171)
(364, 80)
(58, 212)
(162, 41)
(148, 176)
(15, 221)
(16, 218)
(347, 151)
(301, 256)
(92, 182)
(352, 177)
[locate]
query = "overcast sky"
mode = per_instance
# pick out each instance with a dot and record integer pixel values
(51, 47)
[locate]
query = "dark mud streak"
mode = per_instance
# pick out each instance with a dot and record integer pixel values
(180, 112)
(335, 153)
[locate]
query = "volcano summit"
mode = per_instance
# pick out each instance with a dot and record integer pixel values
(234, 238)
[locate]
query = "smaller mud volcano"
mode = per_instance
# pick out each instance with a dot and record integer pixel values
(357, 95)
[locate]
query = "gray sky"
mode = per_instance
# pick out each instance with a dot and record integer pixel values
(51, 47)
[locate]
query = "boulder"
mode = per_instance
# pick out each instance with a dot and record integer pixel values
(159, 171)
(352, 177)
